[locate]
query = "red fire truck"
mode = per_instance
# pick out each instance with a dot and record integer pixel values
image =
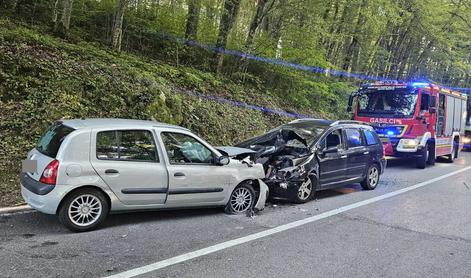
(418, 120)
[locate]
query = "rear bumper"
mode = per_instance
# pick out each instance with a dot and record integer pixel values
(32, 192)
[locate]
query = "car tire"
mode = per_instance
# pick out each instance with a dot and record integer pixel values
(454, 153)
(372, 177)
(306, 191)
(431, 157)
(242, 199)
(83, 210)
(421, 161)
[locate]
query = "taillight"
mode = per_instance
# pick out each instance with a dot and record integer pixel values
(49, 175)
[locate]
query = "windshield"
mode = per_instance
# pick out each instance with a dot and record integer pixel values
(306, 130)
(387, 103)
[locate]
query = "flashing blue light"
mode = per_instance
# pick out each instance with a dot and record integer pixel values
(390, 132)
(420, 84)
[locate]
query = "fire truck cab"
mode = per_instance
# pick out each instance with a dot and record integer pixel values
(418, 120)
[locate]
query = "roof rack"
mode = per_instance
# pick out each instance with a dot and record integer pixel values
(347, 122)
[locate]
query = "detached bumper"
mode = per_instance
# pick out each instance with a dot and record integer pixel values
(263, 195)
(32, 192)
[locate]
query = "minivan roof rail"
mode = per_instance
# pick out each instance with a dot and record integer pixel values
(348, 122)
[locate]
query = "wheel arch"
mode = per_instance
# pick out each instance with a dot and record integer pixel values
(108, 198)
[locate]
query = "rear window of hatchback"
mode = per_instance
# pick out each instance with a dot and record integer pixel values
(52, 139)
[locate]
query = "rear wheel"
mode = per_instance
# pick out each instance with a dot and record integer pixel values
(306, 190)
(83, 210)
(423, 158)
(242, 199)
(454, 153)
(372, 178)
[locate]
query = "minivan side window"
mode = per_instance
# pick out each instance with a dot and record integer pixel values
(184, 149)
(334, 139)
(51, 140)
(127, 145)
(371, 138)
(354, 138)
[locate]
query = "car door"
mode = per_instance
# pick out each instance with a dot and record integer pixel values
(332, 164)
(128, 161)
(357, 153)
(194, 178)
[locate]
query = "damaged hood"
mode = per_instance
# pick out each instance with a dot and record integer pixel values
(275, 141)
(235, 151)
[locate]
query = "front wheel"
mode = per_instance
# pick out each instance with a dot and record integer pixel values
(372, 178)
(242, 199)
(83, 210)
(423, 158)
(306, 190)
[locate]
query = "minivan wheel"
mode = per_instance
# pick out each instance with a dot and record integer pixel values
(372, 178)
(242, 199)
(83, 210)
(306, 190)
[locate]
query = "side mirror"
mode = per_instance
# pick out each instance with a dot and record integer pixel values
(350, 103)
(222, 160)
(330, 150)
(432, 110)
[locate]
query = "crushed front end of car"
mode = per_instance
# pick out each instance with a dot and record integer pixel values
(286, 158)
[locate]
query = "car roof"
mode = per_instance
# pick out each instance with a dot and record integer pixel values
(110, 123)
(316, 122)
(330, 123)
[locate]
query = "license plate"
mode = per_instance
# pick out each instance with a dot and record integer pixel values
(30, 166)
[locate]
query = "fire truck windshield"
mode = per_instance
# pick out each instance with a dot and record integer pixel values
(387, 103)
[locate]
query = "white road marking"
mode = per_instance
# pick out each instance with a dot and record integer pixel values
(227, 244)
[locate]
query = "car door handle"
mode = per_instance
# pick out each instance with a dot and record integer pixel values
(367, 152)
(111, 171)
(343, 156)
(179, 174)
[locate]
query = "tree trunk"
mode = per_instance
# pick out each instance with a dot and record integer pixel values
(65, 17)
(230, 11)
(55, 13)
(192, 20)
(257, 19)
(117, 30)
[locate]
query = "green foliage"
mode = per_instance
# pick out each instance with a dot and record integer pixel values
(43, 79)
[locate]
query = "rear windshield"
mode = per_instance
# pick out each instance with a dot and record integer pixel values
(51, 140)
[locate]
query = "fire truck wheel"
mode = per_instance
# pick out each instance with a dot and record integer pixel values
(451, 157)
(431, 154)
(422, 159)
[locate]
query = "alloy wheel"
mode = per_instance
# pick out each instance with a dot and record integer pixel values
(85, 210)
(241, 199)
(373, 176)
(305, 189)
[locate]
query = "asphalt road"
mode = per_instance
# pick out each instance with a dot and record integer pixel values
(425, 232)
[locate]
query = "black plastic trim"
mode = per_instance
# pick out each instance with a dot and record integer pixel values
(144, 190)
(35, 186)
(195, 190)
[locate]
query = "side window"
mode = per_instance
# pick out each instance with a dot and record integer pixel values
(424, 102)
(107, 145)
(371, 138)
(182, 148)
(128, 145)
(334, 139)
(354, 138)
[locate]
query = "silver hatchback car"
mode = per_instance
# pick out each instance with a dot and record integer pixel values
(83, 169)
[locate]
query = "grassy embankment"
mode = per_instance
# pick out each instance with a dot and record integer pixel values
(43, 78)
